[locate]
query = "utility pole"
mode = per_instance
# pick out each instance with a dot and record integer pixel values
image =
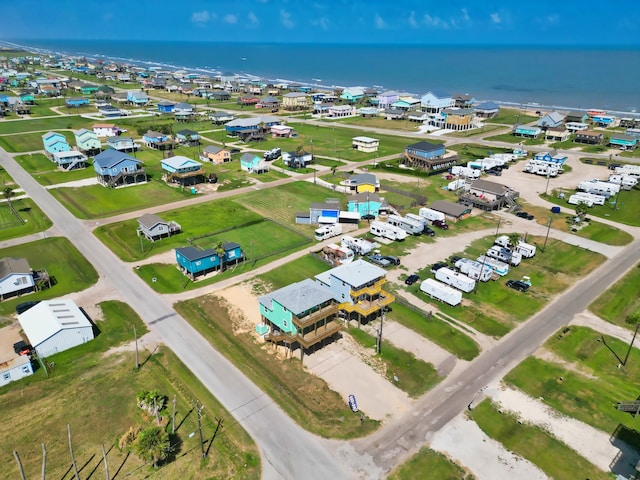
(548, 176)
(173, 416)
(44, 461)
(106, 465)
(547, 236)
(379, 339)
(199, 412)
(73, 458)
(135, 336)
(17, 457)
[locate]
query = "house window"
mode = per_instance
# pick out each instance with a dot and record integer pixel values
(26, 369)
(6, 376)
(198, 263)
(285, 324)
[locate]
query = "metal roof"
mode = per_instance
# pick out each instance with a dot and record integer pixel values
(10, 265)
(355, 274)
(44, 320)
(298, 297)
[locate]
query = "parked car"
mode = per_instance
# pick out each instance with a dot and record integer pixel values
(496, 172)
(392, 259)
(518, 285)
(526, 215)
(379, 260)
(455, 258)
(437, 266)
(411, 279)
(428, 231)
(441, 224)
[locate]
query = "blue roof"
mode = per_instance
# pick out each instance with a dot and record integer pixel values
(441, 94)
(110, 158)
(487, 106)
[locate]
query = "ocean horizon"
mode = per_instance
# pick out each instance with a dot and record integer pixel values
(557, 77)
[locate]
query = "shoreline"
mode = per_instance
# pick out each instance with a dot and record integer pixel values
(211, 71)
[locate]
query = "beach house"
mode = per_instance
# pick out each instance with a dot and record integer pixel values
(215, 154)
(166, 106)
(457, 118)
(55, 142)
(551, 120)
(526, 131)
(70, 160)
(551, 157)
(303, 315)
(352, 94)
(488, 196)
(589, 137)
(425, 155)
(157, 140)
(195, 262)
(623, 142)
(436, 100)
(385, 99)
(121, 144)
(155, 228)
(220, 118)
(487, 109)
(366, 204)
(137, 98)
(365, 144)
(559, 134)
(16, 277)
(87, 141)
(357, 287)
(255, 124)
(182, 170)
(76, 102)
(295, 101)
(252, 163)
(117, 169)
(363, 182)
(326, 212)
(188, 137)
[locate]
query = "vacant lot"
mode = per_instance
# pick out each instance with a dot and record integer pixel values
(44, 125)
(93, 388)
(428, 463)
(620, 300)
(47, 173)
(28, 142)
(26, 219)
(511, 116)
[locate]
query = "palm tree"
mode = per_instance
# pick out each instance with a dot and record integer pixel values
(8, 193)
(220, 251)
(152, 445)
(581, 210)
(514, 240)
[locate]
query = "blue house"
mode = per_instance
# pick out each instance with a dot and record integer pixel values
(182, 170)
(194, 262)
(121, 144)
(604, 120)
(366, 204)
(155, 139)
(547, 157)
(251, 123)
(117, 169)
(55, 142)
(551, 120)
(76, 102)
(526, 131)
(188, 137)
(624, 142)
(137, 97)
(252, 163)
(166, 106)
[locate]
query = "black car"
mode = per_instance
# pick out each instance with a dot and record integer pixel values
(441, 224)
(428, 231)
(22, 348)
(455, 258)
(518, 285)
(526, 215)
(392, 259)
(496, 172)
(437, 266)
(411, 279)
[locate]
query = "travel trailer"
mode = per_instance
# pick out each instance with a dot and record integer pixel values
(441, 292)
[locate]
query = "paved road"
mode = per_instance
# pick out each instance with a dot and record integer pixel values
(288, 452)
(391, 444)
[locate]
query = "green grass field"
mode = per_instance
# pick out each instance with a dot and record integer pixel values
(46, 173)
(428, 463)
(510, 138)
(624, 211)
(297, 270)
(620, 300)
(495, 309)
(33, 219)
(510, 116)
(531, 442)
(64, 263)
(43, 125)
(586, 382)
(94, 392)
(97, 201)
(473, 151)
(28, 142)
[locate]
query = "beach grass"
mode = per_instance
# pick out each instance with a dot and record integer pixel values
(47, 173)
(620, 300)
(408, 373)
(511, 116)
(306, 398)
(533, 443)
(68, 396)
(428, 463)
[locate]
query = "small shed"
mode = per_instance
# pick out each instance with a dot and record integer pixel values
(53, 326)
(452, 211)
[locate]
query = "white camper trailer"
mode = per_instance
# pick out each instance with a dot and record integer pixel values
(441, 292)
(626, 182)
(431, 215)
(466, 172)
(629, 170)
(423, 221)
(455, 279)
(525, 249)
(596, 187)
(328, 231)
(498, 266)
(337, 255)
(504, 255)
(474, 270)
(408, 225)
(386, 230)
(590, 199)
(358, 245)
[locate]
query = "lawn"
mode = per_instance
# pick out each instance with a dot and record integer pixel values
(623, 208)
(531, 442)
(428, 463)
(297, 270)
(511, 138)
(28, 142)
(304, 397)
(511, 116)
(438, 331)
(44, 125)
(494, 309)
(69, 396)
(620, 300)
(46, 172)
(586, 383)
(166, 278)
(195, 221)
(379, 122)
(31, 219)
(97, 201)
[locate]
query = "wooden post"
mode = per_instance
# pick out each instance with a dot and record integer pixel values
(135, 336)
(106, 465)
(44, 461)
(73, 459)
(199, 411)
(17, 457)
(173, 421)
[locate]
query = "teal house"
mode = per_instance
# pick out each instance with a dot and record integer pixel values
(182, 170)
(301, 315)
(366, 204)
(55, 142)
(352, 94)
(624, 142)
(194, 262)
(252, 163)
(526, 131)
(76, 102)
(88, 141)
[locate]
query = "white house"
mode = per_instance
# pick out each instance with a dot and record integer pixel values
(436, 101)
(106, 130)
(15, 369)
(16, 277)
(365, 144)
(53, 326)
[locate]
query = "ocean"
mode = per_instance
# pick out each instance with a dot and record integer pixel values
(563, 78)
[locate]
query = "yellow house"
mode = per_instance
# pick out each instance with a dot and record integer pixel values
(364, 182)
(458, 118)
(295, 101)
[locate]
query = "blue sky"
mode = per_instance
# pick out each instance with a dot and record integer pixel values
(507, 22)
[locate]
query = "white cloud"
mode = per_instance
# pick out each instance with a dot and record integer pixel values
(496, 18)
(322, 22)
(380, 23)
(435, 22)
(412, 20)
(553, 19)
(200, 17)
(230, 18)
(253, 19)
(465, 15)
(286, 20)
